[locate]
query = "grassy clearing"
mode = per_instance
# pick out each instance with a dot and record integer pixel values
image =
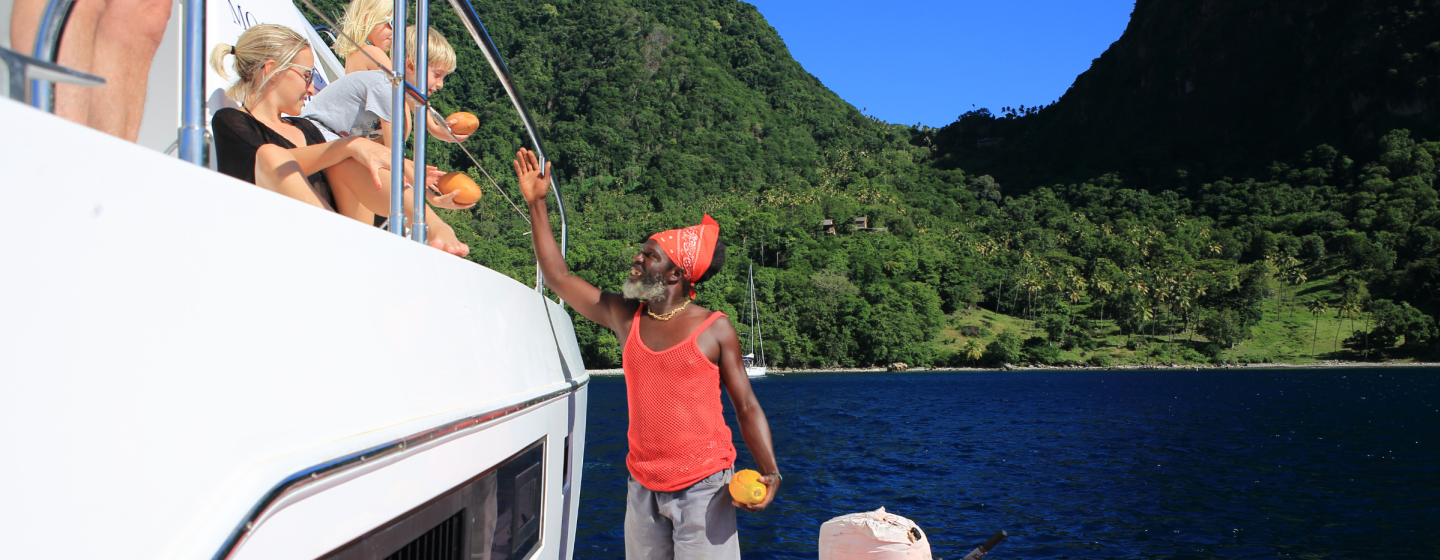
(1288, 333)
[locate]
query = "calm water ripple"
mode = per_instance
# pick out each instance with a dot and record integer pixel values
(1115, 464)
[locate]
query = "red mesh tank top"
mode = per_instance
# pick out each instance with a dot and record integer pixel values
(677, 432)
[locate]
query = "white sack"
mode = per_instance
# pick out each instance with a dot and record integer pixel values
(873, 535)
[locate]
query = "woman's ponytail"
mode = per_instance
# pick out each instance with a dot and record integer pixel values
(217, 59)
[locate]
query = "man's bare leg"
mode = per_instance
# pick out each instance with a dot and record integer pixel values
(77, 49)
(126, 38)
(24, 19)
(113, 39)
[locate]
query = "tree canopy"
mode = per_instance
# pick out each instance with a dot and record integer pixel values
(657, 112)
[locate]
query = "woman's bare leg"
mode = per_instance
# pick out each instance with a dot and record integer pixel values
(354, 180)
(347, 204)
(276, 170)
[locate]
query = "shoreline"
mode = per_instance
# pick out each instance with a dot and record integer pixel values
(1317, 365)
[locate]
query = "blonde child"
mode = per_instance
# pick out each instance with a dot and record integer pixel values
(368, 22)
(359, 105)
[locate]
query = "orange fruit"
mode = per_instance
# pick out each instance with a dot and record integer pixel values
(465, 123)
(746, 487)
(457, 181)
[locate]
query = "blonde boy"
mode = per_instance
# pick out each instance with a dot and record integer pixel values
(359, 104)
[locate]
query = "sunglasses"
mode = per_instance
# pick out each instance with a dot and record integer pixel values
(307, 73)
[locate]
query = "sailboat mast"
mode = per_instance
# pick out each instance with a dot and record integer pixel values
(755, 322)
(750, 310)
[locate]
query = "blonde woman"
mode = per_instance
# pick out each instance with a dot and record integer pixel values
(367, 21)
(257, 143)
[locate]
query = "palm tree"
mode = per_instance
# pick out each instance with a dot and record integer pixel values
(1316, 307)
(1347, 309)
(1106, 287)
(973, 351)
(1367, 335)
(1296, 276)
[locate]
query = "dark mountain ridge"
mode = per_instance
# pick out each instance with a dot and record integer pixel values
(1208, 88)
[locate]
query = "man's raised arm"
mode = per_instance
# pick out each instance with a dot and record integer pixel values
(594, 304)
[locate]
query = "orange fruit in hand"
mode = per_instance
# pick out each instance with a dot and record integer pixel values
(465, 123)
(457, 181)
(746, 487)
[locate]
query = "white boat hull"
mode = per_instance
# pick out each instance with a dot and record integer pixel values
(186, 355)
(755, 371)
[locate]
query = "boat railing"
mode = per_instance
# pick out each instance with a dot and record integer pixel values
(41, 72)
(193, 134)
(24, 69)
(471, 19)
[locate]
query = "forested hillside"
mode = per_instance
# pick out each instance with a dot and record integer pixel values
(659, 111)
(1196, 90)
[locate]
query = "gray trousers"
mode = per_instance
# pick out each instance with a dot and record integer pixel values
(697, 523)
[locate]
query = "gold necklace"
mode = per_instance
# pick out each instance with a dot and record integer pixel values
(667, 316)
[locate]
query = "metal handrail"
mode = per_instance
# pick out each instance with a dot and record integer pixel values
(47, 44)
(397, 129)
(192, 109)
(24, 68)
(472, 22)
(422, 116)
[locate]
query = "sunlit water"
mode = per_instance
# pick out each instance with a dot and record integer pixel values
(1115, 464)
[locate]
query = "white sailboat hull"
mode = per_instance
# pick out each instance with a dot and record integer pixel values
(202, 369)
(755, 371)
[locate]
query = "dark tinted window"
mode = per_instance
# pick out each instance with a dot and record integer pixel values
(494, 516)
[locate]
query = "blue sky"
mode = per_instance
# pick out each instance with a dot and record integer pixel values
(928, 61)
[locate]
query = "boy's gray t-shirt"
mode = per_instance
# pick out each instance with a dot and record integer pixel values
(352, 106)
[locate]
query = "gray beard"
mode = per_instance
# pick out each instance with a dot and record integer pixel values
(643, 287)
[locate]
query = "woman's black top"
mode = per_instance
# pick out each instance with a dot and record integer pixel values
(238, 137)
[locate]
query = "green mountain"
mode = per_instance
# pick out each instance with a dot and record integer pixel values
(659, 112)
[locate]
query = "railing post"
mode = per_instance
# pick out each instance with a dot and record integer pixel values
(422, 114)
(192, 112)
(47, 45)
(397, 121)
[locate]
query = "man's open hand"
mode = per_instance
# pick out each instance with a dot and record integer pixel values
(534, 184)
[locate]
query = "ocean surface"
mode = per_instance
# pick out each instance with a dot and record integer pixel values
(1256, 463)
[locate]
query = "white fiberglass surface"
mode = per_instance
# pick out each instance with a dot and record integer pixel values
(177, 342)
(335, 516)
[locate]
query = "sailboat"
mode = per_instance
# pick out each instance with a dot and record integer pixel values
(754, 367)
(188, 370)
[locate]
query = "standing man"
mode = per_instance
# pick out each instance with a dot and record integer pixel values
(681, 458)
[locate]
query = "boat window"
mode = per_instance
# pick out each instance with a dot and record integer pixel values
(494, 516)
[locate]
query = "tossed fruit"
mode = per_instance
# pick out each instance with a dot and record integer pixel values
(457, 181)
(746, 487)
(465, 123)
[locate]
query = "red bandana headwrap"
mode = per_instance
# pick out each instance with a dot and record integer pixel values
(691, 248)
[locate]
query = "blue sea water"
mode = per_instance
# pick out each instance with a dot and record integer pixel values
(1251, 463)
